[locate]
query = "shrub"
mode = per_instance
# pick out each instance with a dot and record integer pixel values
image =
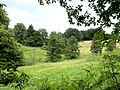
(96, 47)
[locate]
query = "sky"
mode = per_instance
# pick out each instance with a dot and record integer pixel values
(50, 17)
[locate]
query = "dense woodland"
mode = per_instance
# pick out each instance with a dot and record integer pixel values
(63, 46)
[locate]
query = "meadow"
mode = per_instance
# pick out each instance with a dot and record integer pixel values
(64, 75)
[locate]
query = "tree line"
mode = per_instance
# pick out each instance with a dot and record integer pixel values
(38, 38)
(65, 44)
(56, 44)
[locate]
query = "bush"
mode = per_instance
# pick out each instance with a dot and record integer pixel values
(111, 45)
(96, 47)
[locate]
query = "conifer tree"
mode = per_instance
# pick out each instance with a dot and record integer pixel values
(10, 55)
(56, 46)
(72, 49)
(53, 53)
(30, 36)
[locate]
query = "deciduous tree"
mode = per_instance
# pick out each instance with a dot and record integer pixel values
(20, 33)
(73, 32)
(105, 10)
(97, 42)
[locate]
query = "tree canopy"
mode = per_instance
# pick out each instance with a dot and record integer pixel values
(10, 55)
(72, 48)
(54, 47)
(73, 32)
(90, 32)
(20, 32)
(106, 11)
(4, 20)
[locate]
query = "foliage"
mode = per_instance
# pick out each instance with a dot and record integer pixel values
(30, 30)
(90, 32)
(106, 10)
(61, 40)
(97, 42)
(15, 78)
(85, 36)
(110, 45)
(4, 20)
(107, 77)
(96, 47)
(20, 33)
(116, 30)
(10, 55)
(112, 39)
(72, 49)
(111, 72)
(10, 59)
(73, 32)
(44, 36)
(54, 48)
(40, 38)
(29, 36)
(100, 39)
(36, 38)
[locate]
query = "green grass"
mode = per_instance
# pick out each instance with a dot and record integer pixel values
(60, 73)
(57, 68)
(33, 55)
(55, 71)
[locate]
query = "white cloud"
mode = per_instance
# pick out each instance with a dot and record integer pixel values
(17, 16)
(50, 17)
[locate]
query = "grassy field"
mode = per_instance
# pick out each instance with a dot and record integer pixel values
(33, 55)
(59, 74)
(55, 71)
(86, 59)
(85, 47)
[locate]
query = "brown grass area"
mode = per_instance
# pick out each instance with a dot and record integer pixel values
(85, 46)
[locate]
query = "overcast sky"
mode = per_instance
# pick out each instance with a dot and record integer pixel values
(50, 17)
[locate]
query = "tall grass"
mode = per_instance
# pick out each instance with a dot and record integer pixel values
(33, 55)
(81, 74)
